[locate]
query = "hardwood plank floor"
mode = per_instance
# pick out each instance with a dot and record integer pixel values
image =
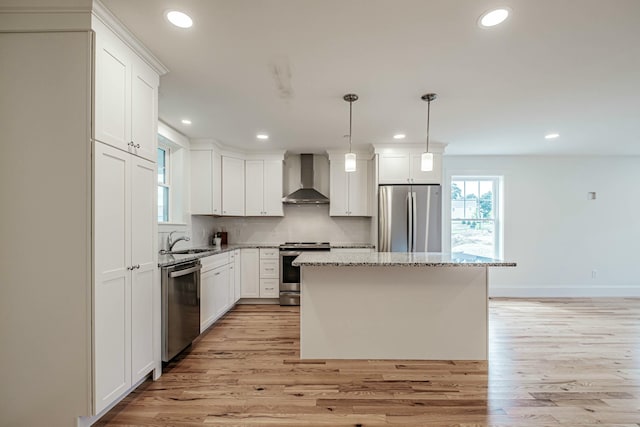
(571, 362)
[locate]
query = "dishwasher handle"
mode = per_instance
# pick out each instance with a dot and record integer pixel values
(185, 271)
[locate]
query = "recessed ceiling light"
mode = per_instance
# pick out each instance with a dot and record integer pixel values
(551, 136)
(186, 121)
(399, 136)
(179, 19)
(493, 17)
(262, 136)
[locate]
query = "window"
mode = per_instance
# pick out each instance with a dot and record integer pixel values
(475, 225)
(163, 184)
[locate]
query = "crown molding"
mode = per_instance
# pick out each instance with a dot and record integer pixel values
(100, 12)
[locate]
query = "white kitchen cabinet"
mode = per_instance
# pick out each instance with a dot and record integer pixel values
(126, 96)
(207, 304)
(237, 282)
(263, 188)
(232, 186)
(269, 273)
(216, 287)
(232, 279)
(125, 264)
(250, 287)
(403, 167)
(269, 288)
(221, 297)
(349, 191)
(73, 87)
(206, 177)
(260, 273)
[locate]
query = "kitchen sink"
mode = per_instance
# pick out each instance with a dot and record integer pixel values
(188, 251)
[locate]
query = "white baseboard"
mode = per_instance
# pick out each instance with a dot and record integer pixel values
(572, 292)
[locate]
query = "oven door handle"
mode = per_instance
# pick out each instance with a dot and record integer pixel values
(185, 271)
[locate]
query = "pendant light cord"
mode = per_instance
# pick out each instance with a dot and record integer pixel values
(428, 97)
(350, 122)
(428, 118)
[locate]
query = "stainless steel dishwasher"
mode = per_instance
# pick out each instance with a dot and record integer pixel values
(180, 307)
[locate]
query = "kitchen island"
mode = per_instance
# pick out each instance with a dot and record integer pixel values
(394, 305)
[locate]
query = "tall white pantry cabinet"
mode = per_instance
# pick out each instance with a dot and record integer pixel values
(78, 187)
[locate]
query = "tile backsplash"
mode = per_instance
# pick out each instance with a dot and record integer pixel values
(300, 223)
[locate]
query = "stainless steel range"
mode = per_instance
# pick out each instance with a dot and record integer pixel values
(290, 275)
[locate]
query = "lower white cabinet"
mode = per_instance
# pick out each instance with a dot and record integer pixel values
(235, 275)
(125, 266)
(260, 273)
(269, 273)
(216, 288)
(250, 287)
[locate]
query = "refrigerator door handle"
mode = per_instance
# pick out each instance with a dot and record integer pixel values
(414, 216)
(409, 223)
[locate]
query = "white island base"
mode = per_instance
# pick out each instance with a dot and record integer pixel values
(393, 312)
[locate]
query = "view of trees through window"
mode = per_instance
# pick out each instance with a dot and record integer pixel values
(473, 216)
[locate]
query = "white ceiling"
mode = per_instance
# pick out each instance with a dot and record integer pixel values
(566, 66)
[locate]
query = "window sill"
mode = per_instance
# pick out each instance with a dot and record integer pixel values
(162, 226)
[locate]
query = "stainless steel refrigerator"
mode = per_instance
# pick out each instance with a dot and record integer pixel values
(409, 218)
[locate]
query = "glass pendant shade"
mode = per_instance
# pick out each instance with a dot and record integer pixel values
(350, 162)
(426, 164)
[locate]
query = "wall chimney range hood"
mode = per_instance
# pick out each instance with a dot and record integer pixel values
(307, 195)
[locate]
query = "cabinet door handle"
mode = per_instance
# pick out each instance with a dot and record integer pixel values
(138, 266)
(130, 144)
(217, 274)
(137, 145)
(130, 268)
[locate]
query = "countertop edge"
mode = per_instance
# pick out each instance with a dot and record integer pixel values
(169, 260)
(403, 264)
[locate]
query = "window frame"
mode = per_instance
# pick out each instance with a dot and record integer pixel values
(167, 178)
(498, 211)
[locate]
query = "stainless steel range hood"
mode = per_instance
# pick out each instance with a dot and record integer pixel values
(307, 194)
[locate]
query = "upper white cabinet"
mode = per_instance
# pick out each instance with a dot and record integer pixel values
(126, 96)
(232, 186)
(263, 183)
(402, 166)
(206, 177)
(349, 191)
(125, 263)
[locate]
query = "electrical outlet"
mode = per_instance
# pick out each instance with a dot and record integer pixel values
(594, 274)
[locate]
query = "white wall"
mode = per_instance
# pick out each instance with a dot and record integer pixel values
(554, 233)
(45, 195)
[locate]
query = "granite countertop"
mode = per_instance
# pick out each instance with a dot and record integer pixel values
(352, 245)
(171, 259)
(396, 259)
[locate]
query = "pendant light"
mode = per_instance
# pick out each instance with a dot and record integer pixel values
(426, 163)
(350, 158)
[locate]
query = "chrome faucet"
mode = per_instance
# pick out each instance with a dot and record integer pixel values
(171, 243)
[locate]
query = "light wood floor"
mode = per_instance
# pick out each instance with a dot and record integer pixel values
(570, 362)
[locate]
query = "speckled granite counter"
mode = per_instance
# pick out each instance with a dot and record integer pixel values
(397, 259)
(171, 259)
(352, 246)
